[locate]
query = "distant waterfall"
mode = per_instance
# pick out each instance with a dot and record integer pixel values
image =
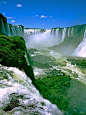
(72, 32)
(57, 32)
(11, 30)
(3, 27)
(8, 30)
(81, 49)
(68, 32)
(63, 34)
(45, 39)
(29, 32)
(21, 32)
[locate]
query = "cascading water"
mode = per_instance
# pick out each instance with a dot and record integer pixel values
(29, 32)
(57, 32)
(72, 32)
(14, 30)
(63, 34)
(68, 32)
(8, 30)
(19, 96)
(81, 49)
(3, 27)
(20, 31)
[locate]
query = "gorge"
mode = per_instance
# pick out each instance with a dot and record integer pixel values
(42, 71)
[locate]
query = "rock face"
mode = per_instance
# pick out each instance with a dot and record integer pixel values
(9, 29)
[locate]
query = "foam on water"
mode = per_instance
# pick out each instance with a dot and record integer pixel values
(16, 86)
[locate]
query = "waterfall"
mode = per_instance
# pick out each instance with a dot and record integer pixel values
(20, 30)
(42, 39)
(8, 30)
(68, 32)
(57, 32)
(84, 35)
(53, 32)
(81, 49)
(63, 34)
(19, 96)
(29, 32)
(13, 31)
(72, 32)
(3, 27)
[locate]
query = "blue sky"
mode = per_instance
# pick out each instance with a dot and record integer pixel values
(44, 13)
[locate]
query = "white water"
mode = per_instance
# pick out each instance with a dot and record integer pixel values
(29, 32)
(81, 49)
(68, 32)
(72, 32)
(57, 32)
(14, 84)
(63, 34)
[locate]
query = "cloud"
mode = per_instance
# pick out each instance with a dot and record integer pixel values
(4, 2)
(51, 16)
(36, 15)
(42, 23)
(42, 16)
(54, 20)
(12, 21)
(18, 5)
(4, 13)
(9, 17)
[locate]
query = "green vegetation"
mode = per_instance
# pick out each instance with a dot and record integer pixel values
(63, 91)
(54, 86)
(32, 50)
(12, 53)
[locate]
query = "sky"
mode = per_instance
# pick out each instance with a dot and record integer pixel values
(44, 14)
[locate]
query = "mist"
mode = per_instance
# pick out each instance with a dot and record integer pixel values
(42, 40)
